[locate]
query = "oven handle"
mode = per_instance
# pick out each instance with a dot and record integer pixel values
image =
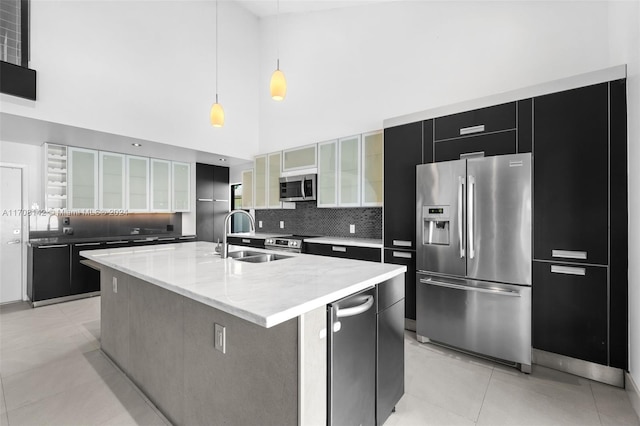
(510, 293)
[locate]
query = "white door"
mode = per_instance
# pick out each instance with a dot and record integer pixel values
(10, 234)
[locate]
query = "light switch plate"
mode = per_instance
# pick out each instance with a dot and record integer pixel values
(220, 338)
(115, 284)
(282, 224)
(352, 229)
(259, 224)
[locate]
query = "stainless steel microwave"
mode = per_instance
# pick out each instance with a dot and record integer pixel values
(298, 188)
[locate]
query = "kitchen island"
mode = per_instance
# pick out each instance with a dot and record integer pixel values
(160, 306)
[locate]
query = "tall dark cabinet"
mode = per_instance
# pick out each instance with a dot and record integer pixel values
(580, 224)
(212, 201)
(402, 152)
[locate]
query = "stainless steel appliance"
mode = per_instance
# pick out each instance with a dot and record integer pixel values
(351, 366)
(298, 188)
(474, 255)
(291, 243)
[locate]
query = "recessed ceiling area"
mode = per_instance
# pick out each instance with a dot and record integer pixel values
(14, 128)
(265, 8)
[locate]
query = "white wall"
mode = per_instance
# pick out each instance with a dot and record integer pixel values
(29, 156)
(624, 30)
(349, 69)
(146, 69)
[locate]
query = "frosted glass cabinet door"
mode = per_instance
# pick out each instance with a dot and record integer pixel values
(247, 189)
(372, 166)
(160, 185)
(299, 158)
(273, 185)
(260, 179)
(181, 181)
(328, 174)
(83, 178)
(349, 172)
(137, 184)
(111, 181)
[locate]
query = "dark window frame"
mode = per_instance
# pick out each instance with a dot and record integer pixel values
(24, 33)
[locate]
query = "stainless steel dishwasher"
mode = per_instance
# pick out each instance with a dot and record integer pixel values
(351, 398)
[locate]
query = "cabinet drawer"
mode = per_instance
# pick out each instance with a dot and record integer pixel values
(484, 120)
(347, 252)
(491, 144)
(570, 310)
(408, 259)
(247, 242)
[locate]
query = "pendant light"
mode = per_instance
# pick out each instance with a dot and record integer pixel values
(217, 113)
(278, 82)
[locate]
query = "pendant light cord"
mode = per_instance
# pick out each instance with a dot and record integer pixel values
(278, 32)
(216, 51)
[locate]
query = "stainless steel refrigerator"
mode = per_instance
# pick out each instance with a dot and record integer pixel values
(474, 256)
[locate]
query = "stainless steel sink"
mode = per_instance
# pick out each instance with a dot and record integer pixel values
(243, 254)
(261, 258)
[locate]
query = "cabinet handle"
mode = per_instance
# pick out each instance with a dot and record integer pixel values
(205, 199)
(473, 129)
(246, 241)
(87, 244)
(340, 249)
(145, 240)
(570, 254)
(221, 200)
(117, 242)
(402, 254)
(557, 269)
(500, 292)
(187, 238)
(166, 239)
(402, 243)
(54, 246)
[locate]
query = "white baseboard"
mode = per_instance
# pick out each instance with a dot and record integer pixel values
(632, 390)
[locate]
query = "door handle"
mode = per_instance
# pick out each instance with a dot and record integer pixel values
(460, 215)
(14, 242)
(471, 215)
(356, 310)
(205, 199)
(500, 292)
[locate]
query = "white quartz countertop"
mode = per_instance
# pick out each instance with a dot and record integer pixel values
(266, 294)
(346, 241)
(257, 235)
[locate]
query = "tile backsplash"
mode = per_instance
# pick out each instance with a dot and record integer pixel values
(308, 219)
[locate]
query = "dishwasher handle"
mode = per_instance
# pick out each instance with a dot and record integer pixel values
(355, 310)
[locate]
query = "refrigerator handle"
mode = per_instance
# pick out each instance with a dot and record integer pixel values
(471, 215)
(460, 215)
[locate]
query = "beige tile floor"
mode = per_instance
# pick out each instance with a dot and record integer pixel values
(53, 373)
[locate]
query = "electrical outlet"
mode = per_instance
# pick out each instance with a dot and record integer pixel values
(282, 224)
(115, 284)
(67, 230)
(259, 224)
(220, 337)
(352, 229)
(66, 221)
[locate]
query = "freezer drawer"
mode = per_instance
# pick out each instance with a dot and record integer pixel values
(486, 318)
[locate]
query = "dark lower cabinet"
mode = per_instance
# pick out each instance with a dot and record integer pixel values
(83, 278)
(407, 258)
(570, 310)
(343, 251)
(48, 273)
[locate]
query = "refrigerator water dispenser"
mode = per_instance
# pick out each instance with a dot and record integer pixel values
(436, 225)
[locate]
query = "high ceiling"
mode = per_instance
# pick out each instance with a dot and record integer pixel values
(264, 8)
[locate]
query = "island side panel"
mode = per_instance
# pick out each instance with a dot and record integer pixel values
(312, 362)
(114, 316)
(157, 347)
(254, 383)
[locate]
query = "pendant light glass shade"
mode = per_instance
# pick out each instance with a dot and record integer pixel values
(278, 85)
(217, 115)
